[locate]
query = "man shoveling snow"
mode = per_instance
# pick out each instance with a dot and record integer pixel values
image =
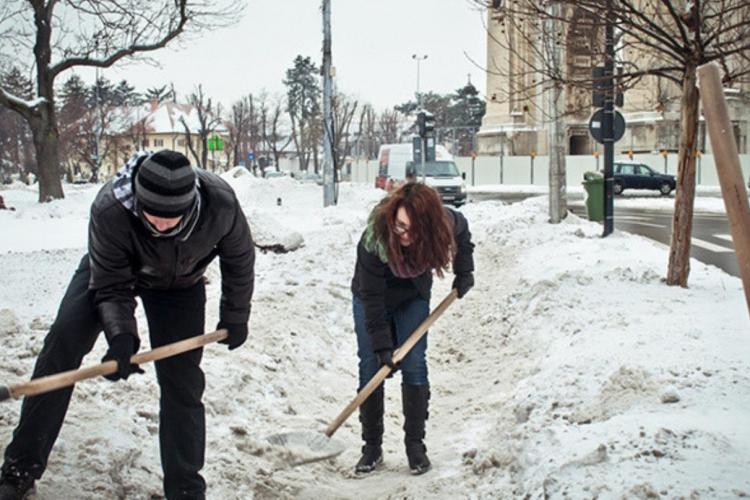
(153, 231)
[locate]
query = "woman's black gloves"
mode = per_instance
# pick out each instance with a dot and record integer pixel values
(463, 283)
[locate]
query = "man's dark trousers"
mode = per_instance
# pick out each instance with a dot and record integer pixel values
(172, 315)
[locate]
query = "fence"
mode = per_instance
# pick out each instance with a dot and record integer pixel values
(522, 170)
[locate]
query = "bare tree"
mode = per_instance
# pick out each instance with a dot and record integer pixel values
(238, 128)
(208, 116)
(56, 36)
(140, 127)
(389, 127)
(344, 109)
(274, 135)
(79, 144)
(656, 39)
(367, 139)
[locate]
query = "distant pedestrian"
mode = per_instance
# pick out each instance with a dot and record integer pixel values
(411, 174)
(409, 235)
(3, 206)
(153, 231)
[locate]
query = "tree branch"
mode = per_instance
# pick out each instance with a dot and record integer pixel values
(20, 106)
(127, 51)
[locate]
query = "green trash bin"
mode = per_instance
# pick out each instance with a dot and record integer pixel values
(593, 185)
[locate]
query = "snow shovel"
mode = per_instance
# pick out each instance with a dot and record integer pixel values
(305, 447)
(64, 379)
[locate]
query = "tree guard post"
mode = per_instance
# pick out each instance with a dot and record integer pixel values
(728, 168)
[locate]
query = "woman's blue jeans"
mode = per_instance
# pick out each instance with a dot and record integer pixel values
(404, 320)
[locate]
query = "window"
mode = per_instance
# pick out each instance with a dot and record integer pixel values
(627, 169)
(442, 169)
(579, 145)
(644, 170)
(181, 142)
(159, 143)
(582, 61)
(145, 143)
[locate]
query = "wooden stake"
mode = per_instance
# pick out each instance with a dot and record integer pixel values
(727, 158)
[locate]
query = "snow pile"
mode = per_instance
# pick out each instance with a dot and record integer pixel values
(34, 226)
(619, 376)
(570, 369)
(267, 231)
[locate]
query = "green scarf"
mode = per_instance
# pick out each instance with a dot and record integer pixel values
(371, 241)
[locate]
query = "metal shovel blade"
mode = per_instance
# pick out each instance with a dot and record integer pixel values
(306, 447)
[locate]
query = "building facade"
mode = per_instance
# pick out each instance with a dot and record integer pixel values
(153, 127)
(517, 106)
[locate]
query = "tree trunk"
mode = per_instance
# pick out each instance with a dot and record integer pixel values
(682, 220)
(42, 120)
(46, 142)
(302, 147)
(204, 152)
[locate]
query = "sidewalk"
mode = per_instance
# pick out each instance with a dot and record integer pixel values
(708, 198)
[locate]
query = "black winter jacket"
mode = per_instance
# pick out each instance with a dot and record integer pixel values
(378, 289)
(125, 256)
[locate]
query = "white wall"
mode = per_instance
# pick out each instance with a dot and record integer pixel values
(517, 169)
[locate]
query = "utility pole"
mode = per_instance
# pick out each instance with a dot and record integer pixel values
(98, 128)
(418, 59)
(502, 154)
(99, 122)
(608, 124)
(555, 136)
(329, 195)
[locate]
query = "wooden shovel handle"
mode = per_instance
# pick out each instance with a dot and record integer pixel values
(398, 355)
(64, 379)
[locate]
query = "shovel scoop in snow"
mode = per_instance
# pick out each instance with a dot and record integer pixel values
(306, 447)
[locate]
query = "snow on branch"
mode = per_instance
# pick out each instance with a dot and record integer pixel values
(19, 105)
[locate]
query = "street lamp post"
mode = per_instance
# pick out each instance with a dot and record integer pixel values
(419, 59)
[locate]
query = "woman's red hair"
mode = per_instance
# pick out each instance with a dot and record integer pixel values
(433, 244)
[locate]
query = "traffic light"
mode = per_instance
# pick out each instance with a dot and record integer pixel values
(599, 84)
(429, 149)
(425, 124)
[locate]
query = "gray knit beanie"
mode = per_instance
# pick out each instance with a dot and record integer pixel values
(165, 184)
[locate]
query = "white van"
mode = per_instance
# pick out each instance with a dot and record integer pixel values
(394, 160)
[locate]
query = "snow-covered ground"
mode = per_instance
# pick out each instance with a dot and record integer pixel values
(570, 370)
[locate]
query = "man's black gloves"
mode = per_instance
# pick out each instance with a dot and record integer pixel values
(237, 334)
(385, 357)
(463, 283)
(121, 348)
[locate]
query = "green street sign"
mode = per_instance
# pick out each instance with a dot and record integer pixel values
(215, 143)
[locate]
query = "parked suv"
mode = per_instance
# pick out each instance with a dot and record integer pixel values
(640, 176)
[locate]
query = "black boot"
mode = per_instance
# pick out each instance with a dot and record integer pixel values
(371, 416)
(415, 399)
(15, 483)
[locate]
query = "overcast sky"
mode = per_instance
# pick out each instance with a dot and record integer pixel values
(373, 43)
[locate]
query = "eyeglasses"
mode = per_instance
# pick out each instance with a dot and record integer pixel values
(400, 229)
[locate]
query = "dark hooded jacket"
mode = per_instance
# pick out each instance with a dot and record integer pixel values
(375, 285)
(125, 256)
